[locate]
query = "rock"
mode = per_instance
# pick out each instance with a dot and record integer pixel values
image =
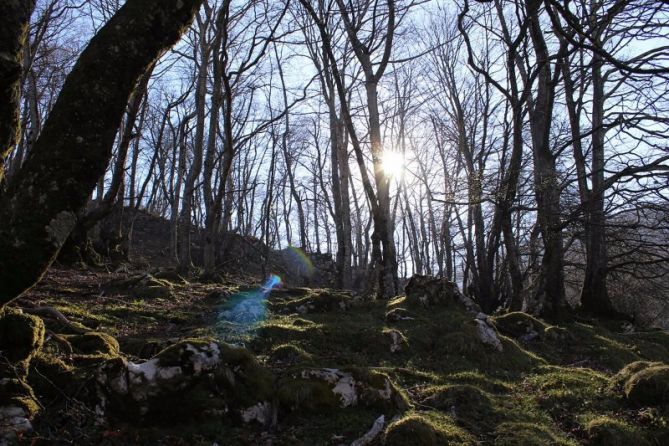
(488, 335)
(468, 404)
(607, 431)
(289, 354)
(397, 340)
(318, 301)
(371, 434)
(648, 386)
(527, 328)
(329, 388)
(49, 376)
(18, 406)
(94, 343)
(397, 315)
(144, 287)
(186, 380)
(429, 291)
(421, 430)
(21, 338)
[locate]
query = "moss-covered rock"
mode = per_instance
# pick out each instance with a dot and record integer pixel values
(290, 354)
(94, 343)
(395, 315)
(396, 340)
(144, 286)
(427, 291)
(50, 376)
(471, 407)
(331, 388)
(608, 431)
(648, 386)
(426, 429)
(18, 406)
(317, 301)
(619, 379)
(184, 381)
(517, 324)
(564, 392)
(21, 337)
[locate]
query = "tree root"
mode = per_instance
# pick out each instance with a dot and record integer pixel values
(48, 312)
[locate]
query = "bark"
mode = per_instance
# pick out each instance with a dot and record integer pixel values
(75, 145)
(550, 293)
(14, 22)
(184, 230)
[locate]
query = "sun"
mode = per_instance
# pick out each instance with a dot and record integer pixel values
(393, 163)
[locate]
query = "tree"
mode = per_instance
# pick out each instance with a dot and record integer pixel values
(75, 144)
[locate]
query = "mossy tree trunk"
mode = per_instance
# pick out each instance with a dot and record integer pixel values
(14, 22)
(37, 211)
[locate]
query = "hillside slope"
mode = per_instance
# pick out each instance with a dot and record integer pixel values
(325, 365)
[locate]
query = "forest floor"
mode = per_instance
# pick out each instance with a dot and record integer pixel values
(549, 385)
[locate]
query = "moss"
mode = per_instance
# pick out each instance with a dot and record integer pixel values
(307, 394)
(517, 324)
(481, 381)
(527, 434)
(142, 348)
(94, 343)
(171, 276)
(290, 354)
(565, 392)
(426, 429)
(608, 431)
(21, 337)
(17, 393)
(396, 315)
(50, 376)
(318, 301)
(620, 378)
(649, 386)
(376, 384)
(471, 407)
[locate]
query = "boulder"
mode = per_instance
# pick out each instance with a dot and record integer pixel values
(397, 341)
(312, 389)
(648, 386)
(191, 378)
(144, 286)
(425, 430)
(427, 291)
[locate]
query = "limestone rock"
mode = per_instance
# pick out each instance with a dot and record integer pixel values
(190, 378)
(430, 291)
(328, 388)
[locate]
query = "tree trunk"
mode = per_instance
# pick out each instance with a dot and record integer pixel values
(75, 145)
(13, 32)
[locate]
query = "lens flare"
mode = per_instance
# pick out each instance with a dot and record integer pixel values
(300, 261)
(244, 309)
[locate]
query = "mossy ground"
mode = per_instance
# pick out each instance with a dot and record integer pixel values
(557, 388)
